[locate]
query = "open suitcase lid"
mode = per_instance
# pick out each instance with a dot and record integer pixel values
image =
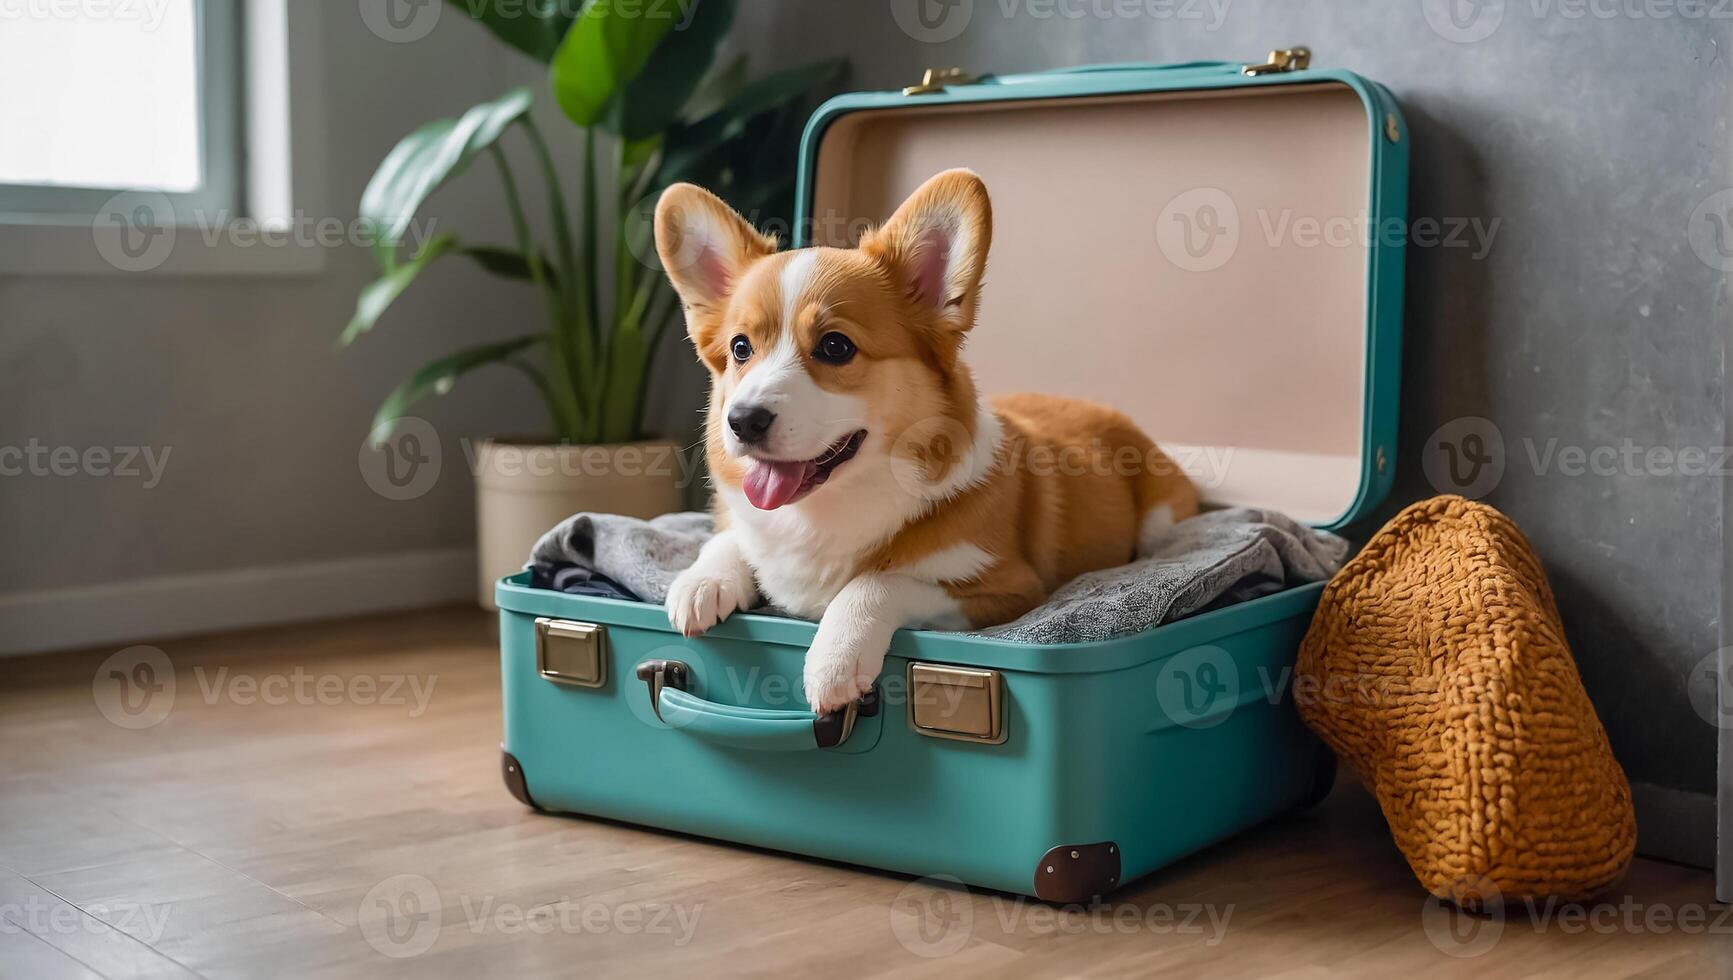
(1214, 252)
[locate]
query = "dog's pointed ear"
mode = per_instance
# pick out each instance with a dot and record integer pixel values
(935, 246)
(705, 247)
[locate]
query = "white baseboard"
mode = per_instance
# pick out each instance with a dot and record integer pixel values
(182, 605)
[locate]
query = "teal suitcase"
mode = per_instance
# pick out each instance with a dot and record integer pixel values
(1240, 232)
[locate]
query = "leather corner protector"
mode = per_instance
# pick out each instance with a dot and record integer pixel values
(1074, 874)
(515, 783)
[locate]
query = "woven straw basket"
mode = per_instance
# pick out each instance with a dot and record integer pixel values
(1437, 669)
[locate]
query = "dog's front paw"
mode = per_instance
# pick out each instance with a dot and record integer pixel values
(708, 593)
(833, 679)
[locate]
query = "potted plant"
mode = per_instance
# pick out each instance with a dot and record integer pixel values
(639, 80)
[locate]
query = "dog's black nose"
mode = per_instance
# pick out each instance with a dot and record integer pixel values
(751, 423)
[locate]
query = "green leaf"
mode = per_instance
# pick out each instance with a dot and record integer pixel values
(426, 159)
(607, 48)
(628, 358)
(437, 378)
(652, 100)
(508, 263)
(690, 146)
(534, 27)
(382, 292)
(723, 84)
(636, 153)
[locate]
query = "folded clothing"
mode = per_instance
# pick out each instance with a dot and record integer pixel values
(1215, 559)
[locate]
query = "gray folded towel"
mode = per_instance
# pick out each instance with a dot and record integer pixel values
(1212, 560)
(643, 556)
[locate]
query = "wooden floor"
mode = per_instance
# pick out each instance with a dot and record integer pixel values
(326, 801)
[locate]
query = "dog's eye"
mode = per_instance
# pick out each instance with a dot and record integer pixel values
(834, 348)
(741, 348)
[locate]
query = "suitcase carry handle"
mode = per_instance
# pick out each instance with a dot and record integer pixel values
(764, 729)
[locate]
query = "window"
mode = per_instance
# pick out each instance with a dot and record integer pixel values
(102, 96)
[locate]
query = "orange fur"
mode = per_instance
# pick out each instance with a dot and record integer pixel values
(1068, 496)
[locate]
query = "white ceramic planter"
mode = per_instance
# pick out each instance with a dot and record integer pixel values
(523, 488)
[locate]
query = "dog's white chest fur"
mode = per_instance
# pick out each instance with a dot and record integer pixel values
(802, 557)
(796, 584)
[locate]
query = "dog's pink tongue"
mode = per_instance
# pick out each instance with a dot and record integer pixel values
(770, 485)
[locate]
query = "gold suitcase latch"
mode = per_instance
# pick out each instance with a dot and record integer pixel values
(1281, 61)
(570, 652)
(960, 703)
(937, 79)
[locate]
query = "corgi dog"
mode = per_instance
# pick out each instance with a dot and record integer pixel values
(860, 479)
